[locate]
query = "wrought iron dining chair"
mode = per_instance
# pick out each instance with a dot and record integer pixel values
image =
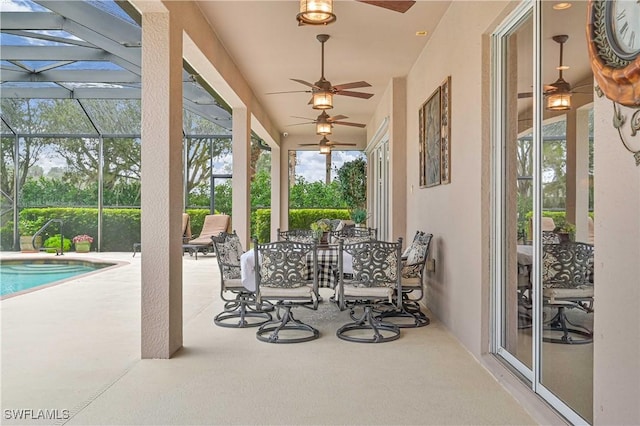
(414, 260)
(566, 285)
(281, 278)
(354, 235)
(376, 278)
(241, 310)
(297, 235)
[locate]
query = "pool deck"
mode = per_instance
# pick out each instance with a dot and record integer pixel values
(75, 348)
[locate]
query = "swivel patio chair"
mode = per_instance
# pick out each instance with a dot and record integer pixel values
(376, 278)
(350, 235)
(414, 260)
(241, 310)
(281, 278)
(566, 285)
(212, 226)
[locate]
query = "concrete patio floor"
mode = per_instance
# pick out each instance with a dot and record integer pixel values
(74, 349)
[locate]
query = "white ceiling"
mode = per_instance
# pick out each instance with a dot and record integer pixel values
(367, 43)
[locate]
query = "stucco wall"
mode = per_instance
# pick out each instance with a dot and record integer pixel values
(616, 376)
(451, 212)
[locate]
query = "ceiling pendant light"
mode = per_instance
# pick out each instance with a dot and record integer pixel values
(323, 126)
(316, 12)
(559, 95)
(325, 148)
(322, 100)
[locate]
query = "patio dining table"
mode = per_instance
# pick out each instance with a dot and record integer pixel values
(327, 268)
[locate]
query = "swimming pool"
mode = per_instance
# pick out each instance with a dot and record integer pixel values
(18, 275)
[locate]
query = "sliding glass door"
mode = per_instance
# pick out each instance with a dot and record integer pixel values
(542, 180)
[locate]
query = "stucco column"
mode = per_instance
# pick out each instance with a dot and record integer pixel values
(241, 204)
(398, 160)
(276, 191)
(582, 175)
(161, 186)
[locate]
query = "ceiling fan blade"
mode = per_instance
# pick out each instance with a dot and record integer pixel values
(306, 83)
(307, 144)
(354, 94)
(300, 124)
(288, 91)
(525, 95)
(354, 85)
(304, 118)
(346, 123)
(331, 144)
(396, 6)
(336, 117)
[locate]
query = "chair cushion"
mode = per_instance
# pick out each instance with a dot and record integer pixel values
(408, 283)
(369, 292)
(284, 292)
(235, 283)
(581, 292)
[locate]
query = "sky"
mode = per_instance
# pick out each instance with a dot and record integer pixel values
(311, 164)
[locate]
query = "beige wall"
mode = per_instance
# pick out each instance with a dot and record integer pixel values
(456, 293)
(616, 377)
(451, 212)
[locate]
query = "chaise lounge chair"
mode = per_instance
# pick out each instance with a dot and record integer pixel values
(213, 225)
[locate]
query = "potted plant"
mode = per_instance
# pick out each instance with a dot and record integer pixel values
(359, 216)
(566, 232)
(82, 243)
(27, 229)
(321, 230)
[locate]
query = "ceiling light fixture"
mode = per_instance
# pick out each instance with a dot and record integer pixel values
(562, 5)
(325, 148)
(559, 96)
(316, 12)
(322, 100)
(323, 126)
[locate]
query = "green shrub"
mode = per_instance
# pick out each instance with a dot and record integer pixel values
(54, 243)
(298, 219)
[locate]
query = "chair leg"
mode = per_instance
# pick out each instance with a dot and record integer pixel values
(270, 331)
(414, 314)
(382, 331)
(570, 335)
(242, 313)
(410, 309)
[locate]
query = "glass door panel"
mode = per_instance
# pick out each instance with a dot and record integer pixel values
(517, 198)
(566, 357)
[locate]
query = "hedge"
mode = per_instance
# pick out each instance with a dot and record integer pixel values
(298, 219)
(121, 227)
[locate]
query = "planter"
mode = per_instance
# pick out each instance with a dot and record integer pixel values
(83, 247)
(27, 247)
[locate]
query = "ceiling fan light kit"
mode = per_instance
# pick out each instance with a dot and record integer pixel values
(323, 128)
(322, 100)
(559, 96)
(316, 12)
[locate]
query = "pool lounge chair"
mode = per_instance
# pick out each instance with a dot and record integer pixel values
(213, 225)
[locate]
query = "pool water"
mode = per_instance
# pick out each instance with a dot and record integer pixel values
(19, 275)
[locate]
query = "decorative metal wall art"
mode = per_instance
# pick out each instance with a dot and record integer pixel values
(434, 117)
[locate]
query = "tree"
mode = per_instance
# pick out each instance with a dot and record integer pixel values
(352, 180)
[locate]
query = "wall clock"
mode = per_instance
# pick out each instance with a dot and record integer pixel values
(613, 34)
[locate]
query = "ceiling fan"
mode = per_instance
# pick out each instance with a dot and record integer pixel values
(324, 123)
(557, 94)
(323, 91)
(326, 145)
